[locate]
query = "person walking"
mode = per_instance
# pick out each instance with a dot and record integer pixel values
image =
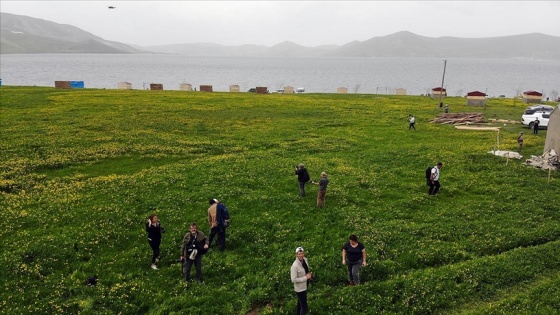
(520, 141)
(194, 246)
(354, 256)
(411, 122)
(321, 194)
(300, 275)
(446, 108)
(218, 220)
(536, 126)
(303, 178)
(434, 180)
(155, 231)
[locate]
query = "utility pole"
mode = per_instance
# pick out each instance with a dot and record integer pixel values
(442, 80)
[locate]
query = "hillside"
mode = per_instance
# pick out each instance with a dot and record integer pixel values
(24, 35)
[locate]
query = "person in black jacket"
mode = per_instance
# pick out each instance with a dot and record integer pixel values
(155, 230)
(303, 178)
(195, 244)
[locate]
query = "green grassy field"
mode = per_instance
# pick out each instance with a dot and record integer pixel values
(81, 170)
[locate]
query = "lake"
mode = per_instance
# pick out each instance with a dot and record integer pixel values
(507, 77)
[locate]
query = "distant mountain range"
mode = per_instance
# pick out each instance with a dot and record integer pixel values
(24, 35)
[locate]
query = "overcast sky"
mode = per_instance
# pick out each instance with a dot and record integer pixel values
(308, 23)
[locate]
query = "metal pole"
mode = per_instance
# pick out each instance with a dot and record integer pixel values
(442, 80)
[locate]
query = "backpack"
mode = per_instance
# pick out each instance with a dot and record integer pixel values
(428, 175)
(306, 177)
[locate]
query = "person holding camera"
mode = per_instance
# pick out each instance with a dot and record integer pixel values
(218, 219)
(303, 178)
(194, 246)
(300, 275)
(154, 230)
(354, 256)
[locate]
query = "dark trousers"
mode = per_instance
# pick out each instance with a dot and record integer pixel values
(434, 188)
(411, 126)
(155, 250)
(301, 307)
(301, 189)
(535, 130)
(221, 232)
(198, 266)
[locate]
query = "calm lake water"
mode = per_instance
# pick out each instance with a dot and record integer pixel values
(507, 77)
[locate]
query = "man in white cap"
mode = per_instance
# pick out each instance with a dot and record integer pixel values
(299, 273)
(218, 219)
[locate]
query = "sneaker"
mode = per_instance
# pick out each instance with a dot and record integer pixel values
(153, 266)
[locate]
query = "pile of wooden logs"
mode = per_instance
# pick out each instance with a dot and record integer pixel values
(458, 118)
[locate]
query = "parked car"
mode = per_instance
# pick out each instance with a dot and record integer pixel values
(540, 111)
(300, 90)
(252, 90)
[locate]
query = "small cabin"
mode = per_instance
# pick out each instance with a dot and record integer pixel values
(438, 92)
(261, 90)
(62, 84)
(342, 90)
(206, 88)
(400, 91)
(124, 86)
(476, 98)
(288, 90)
(234, 88)
(532, 97)
(156, 86)
(185, 87)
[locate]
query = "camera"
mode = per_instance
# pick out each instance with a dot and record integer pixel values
(313, 277)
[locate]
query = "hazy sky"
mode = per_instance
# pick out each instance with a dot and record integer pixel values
(308, 23)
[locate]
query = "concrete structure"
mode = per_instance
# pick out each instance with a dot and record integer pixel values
(156, 86)
(124, 86)
(476, 98)
(234, 88)
(206, 88)
(185, 87)
(437, 91)
(532, 97)
(341, 90)
(288, 90)
(262, 90)
(553, 132)
(400, 91)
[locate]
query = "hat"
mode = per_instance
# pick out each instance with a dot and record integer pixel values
(301, 165)
(299, 249)
(213, 201)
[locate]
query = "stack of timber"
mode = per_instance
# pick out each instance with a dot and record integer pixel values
(458, 118)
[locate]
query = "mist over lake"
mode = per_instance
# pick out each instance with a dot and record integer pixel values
(496, 77)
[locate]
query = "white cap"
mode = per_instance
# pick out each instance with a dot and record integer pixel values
(299, 249)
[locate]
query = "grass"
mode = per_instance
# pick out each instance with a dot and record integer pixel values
(80, 171)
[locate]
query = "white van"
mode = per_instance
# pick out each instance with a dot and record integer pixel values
(540, 111)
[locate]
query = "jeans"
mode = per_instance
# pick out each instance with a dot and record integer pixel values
(301, 307)
(321, 198)
(302, 189)
(197, 264)
(434, 188)
(221, 232)
(354, 271)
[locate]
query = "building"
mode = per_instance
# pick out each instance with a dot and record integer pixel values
(400, 91)
(156, 86)
(532, 97)
(288, 90)
(438, 91)
(476, 98)
(341, 90)
(234, 88)
(124, 86)
(262, 90)
(206, 88)
(185, 87)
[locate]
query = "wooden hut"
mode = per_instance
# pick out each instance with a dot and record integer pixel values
(341, 90)
(532, 97)
(400, 91)
(62, 84)
(476, 98)
(234, 88)
(156, 86)
(262, 90)
(437, 91)
(124, 86)
(206, 88)
(185, 87)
